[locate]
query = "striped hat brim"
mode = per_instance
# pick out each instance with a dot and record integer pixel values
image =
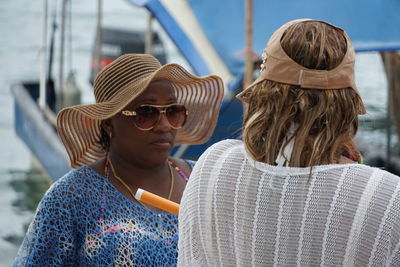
(79, 126)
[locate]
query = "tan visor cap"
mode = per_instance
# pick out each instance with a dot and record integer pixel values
(279, 67)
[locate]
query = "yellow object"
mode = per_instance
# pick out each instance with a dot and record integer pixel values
(157, 201)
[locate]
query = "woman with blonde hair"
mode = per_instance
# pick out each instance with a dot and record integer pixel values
(293, 192)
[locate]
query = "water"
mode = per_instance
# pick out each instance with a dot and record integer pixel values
(21, 183)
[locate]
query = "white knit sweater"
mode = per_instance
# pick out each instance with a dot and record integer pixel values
(238, 212)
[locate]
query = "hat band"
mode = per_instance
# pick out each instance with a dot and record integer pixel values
(290, 73)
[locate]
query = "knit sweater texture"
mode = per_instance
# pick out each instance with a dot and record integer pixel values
(83, 220)
(239, 212)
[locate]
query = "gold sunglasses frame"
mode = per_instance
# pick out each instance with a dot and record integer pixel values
(161, 108)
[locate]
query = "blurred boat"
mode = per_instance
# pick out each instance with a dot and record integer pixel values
(115, 42)
(37, 130)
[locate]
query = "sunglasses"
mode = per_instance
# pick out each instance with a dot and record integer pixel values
(146, 117)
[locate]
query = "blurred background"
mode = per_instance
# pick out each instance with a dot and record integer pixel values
(22, 180)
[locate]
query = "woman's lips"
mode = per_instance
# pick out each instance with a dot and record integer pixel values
(163, 144)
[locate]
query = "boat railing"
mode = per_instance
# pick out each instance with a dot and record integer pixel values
(37, 129)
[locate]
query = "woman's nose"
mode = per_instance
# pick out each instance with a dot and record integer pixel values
(163, 124)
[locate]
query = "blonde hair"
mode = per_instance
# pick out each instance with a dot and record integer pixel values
(326, 120)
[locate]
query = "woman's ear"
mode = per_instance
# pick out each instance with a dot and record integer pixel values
(107, 127)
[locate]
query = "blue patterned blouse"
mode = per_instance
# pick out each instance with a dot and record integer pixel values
(83, 220)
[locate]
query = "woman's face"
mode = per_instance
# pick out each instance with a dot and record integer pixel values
(144, 148)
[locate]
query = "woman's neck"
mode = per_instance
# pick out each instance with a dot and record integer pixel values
(136, 173)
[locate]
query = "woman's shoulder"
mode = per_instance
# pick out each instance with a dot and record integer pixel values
(75, 183)
(78, 176)
(366, 170)
(224, 148)
(228, 143)
(186, 165)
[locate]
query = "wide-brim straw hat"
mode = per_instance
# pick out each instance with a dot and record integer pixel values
(118, 84)
(279, 67)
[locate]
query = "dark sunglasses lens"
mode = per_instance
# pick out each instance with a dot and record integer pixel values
(146, 117)
(176, 115)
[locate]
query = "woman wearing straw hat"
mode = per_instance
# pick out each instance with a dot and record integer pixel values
(293, 192)
(121, 143)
